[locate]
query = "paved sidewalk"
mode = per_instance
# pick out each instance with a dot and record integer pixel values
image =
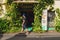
(22, 36)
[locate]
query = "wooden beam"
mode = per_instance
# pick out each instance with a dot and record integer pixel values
(25, 1)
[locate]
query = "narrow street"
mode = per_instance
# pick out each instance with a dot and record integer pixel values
(31, 36)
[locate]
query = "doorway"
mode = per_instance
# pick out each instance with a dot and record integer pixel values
(51, 16)
(27, 9)
(29, 16)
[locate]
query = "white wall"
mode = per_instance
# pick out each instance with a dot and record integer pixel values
(2, 1)
(57, 4)
(3, 8)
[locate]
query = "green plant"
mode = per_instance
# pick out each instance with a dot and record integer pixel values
(15, 20)
(9, 1)
(38, 8)
(58, 12)
(58, 20)
(11, 22)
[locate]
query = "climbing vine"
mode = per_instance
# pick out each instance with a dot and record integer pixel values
(57, 19)
(43, 4)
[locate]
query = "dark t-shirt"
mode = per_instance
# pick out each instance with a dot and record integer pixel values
(25, 19)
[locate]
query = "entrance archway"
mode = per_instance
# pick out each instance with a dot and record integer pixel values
(27, 8)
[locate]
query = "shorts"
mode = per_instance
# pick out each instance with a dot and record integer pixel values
(28, 28)
(24, 27)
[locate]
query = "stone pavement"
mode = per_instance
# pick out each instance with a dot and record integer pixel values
(31, 36)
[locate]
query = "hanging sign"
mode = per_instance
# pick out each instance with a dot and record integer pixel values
(44, 19)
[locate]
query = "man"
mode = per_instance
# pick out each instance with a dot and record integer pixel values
(24, 24)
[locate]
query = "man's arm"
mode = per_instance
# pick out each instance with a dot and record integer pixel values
(23, 22)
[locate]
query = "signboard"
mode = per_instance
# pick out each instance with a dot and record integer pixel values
(44, 20)
(25, 7)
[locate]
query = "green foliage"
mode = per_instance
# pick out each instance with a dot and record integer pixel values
(37, 24)
(3, 25)
(7, 26)
(12, 21)
(43, 4)
(9, 2)
(58, 25)
(15, 20)
(58, 12)
(57, 20)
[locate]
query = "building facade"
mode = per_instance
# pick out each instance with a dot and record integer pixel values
(29, 8)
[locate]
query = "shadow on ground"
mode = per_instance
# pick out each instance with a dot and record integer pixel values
(20, 36)
(1, 34)
(23, 36)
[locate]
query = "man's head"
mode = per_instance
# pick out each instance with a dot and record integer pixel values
(24, 15)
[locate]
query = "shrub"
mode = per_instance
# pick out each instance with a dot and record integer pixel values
(58, 20)
(38, 8)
